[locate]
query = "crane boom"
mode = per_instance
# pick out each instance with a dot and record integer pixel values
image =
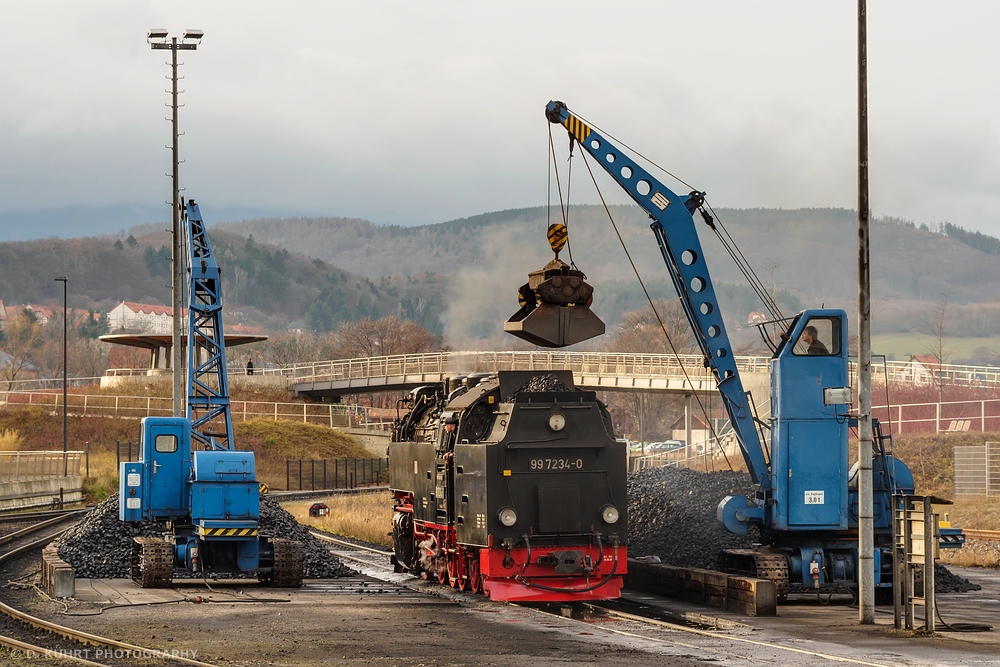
(207, 381)
(674, 228)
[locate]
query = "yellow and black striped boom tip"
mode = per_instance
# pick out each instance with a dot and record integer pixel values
(228, 532)
(577, 128)
(557, 235)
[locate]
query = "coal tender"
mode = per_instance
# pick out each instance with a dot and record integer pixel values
(512, 485)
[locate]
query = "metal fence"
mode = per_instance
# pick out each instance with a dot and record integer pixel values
(25, 466)
(977, 470)
(312, 474)
(981, 416)
(136, 407)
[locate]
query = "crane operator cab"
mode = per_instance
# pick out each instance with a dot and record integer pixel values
(810, 394)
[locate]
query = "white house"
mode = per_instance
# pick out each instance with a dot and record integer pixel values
(143, 318)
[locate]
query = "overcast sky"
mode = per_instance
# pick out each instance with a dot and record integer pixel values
(416, 112)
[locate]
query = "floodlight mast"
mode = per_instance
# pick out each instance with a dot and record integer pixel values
(158, 38)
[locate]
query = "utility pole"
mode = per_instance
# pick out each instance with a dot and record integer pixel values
(157, 39)
(65, 333)
(866, 540)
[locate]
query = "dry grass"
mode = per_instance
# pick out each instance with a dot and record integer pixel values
(363, 516)
(272, 442)
(10, 440)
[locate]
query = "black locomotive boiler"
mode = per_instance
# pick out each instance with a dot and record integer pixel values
(511, 484)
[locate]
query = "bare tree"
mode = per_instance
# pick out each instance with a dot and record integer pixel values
(937, 325)
(290, 348)
(650, 415)
(385, 337)
(24, 339)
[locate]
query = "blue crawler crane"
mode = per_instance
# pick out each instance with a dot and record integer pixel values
(188, 473)
(804, 497)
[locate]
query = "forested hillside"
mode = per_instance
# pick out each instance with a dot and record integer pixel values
(805, 257)
(263, 285)
(460, 278)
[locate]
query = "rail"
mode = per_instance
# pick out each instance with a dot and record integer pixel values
(26, 466)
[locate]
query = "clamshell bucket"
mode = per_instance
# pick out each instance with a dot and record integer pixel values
(555, 308)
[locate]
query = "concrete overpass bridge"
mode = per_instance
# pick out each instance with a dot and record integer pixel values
(600, 371)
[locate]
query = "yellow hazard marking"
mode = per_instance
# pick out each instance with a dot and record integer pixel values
(557, 236)
(228, 532)
(577, 128)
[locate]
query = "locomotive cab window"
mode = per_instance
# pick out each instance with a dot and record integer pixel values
(820, 337)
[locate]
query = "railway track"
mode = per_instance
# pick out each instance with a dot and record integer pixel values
(82, 646)
(357, 553)
(988, 535)
(726, 640)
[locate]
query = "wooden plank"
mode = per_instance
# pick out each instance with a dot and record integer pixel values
(746, 595)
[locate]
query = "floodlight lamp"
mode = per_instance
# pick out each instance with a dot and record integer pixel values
(194, 34)
(156, 33)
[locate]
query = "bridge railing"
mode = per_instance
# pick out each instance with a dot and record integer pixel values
(25, 466)
(602, 363)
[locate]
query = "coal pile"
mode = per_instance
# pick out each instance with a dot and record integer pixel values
(318, 562)
(946, 581)
(100, 546)
(543, 383)
(672, 515)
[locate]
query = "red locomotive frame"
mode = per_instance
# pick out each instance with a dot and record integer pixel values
(515, 573)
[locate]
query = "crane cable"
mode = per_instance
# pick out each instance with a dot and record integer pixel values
(656, 314)
(730, 245)
(554, 166)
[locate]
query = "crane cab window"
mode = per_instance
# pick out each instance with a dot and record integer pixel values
(165, 444)
(820, 337)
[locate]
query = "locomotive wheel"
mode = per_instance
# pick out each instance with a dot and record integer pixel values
(475, 578)
(457, 572)
(442, 574)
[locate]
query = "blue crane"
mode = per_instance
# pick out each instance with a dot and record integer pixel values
(189, 474)
(803, 497)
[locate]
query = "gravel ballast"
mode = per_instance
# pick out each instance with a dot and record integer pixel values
(672, 515)
(100, 546)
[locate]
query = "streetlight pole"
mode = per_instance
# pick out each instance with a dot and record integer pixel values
(64, 280)
(158, 39)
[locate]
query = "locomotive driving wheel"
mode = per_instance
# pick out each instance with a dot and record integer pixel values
(475, 577)
(457, 573)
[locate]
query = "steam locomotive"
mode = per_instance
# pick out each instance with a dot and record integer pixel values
(510, 484)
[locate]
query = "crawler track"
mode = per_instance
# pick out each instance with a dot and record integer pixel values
(83, 645)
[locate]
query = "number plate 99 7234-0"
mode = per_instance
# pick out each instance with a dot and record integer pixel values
(557, 464)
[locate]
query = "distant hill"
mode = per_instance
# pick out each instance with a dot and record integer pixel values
(263, 285)
(809, 256)
(460, 277)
